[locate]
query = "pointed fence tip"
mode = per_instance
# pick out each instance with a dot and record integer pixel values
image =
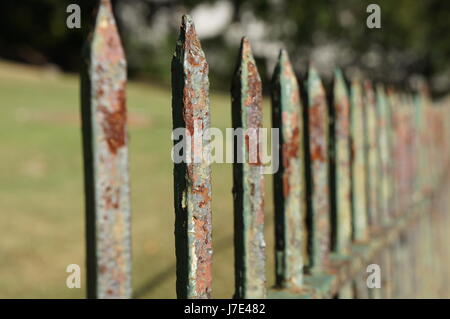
(338, 74)
(245, 45)
(283, 59)
(186, 21)
(283, 55)
(355, 82)
(104, 41)
(314, 80)
(246, 59)
(187, 27)
(189, 42)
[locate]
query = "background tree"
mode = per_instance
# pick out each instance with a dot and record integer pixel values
(413, 38)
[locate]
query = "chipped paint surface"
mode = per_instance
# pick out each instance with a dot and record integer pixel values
(397, 147)
(360, 229)
(372, 156)
(343, 165)
(289, 189)
(383, 154)
(415, 236)
(318, 153)
(190, 105)
(248, 189)
(108, 199)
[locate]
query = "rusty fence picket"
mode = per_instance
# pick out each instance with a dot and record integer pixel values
(192, 176)
(105, 146)
(372, 177)
(289, 181)
(361, 173)
(319, 203)
(342, 172)
(359, 208)
(248, 180)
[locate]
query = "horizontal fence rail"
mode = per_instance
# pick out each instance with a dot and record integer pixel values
(362, 167)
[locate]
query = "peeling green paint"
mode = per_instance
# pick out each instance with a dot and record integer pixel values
(383, 155)
(373, 176)
(192, 179)
(342, 149)
(360, 225)
(289, 189)
(248, 181)
(319, 210)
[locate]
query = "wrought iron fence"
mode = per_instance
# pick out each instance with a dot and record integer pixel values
(360, 169)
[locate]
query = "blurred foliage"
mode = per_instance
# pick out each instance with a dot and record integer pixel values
(413, 38)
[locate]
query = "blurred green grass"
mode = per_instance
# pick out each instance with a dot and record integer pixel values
(41, 188)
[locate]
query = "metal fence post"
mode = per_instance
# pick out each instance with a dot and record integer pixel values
(319, 206)
(192, 175)
(104, 125)
(342, 155)
(289, 189)
(373, 178)
(248, 180)
(360, 231)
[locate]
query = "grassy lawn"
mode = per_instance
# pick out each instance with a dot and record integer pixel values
(41, 188)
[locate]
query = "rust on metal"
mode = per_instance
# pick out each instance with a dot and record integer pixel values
(372, 157)
(392, 102)
(383, 155)
(289, 189)
(341, 138)
(107, 187)
(192, 178)
(319, 210)
(248, 180)
(360, 229)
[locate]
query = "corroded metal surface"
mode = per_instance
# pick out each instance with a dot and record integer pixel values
(378, 251)
(106, 162)
(372, 157)
(248, 181)
(289, 190)
(383, 155)
(341, 105)
(390, 165)
(319, 210)
(410, 249)
(400, 147)
(192, 177)
(360, 229)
